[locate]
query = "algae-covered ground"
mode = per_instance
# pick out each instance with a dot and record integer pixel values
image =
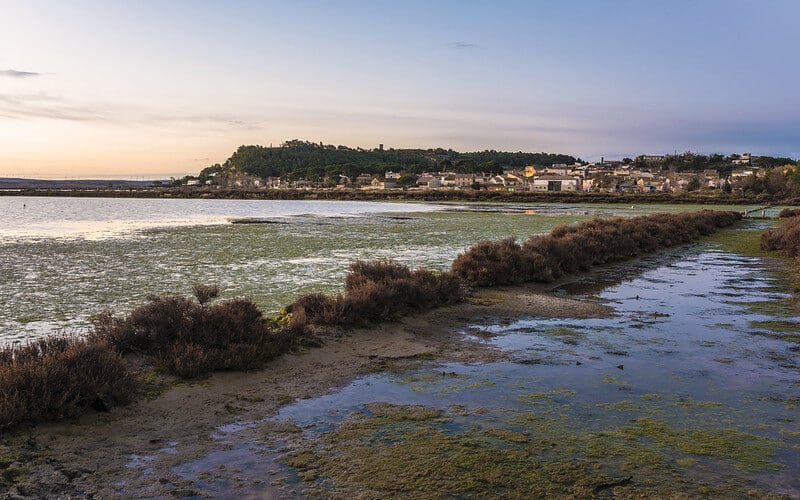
(691, 389)
(414, 451)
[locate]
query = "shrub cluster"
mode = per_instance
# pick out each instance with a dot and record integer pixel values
(60, 377)
(567, 249)
(379, 291)
(789, 212)
(190, 338)
(785, 237)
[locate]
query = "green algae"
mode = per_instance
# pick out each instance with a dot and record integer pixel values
(615, 381)
(747, 451)
(414, 452)
(779, 326)
(690, 403)
(738, 241)
(620, 406)
(784, 307)
(545, 396)
(566, 335)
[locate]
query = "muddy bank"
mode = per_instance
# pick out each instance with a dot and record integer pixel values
(133, 451)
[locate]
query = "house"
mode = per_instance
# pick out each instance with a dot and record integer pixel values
(448, 179)
(744, 159)
(650, 185)
(651, 158)
(429, 181)
(464, 180)
(710, 178)
(363, 179)
(741, 173)
(392, 176)
(381, 185)
(559, 169)
(556, 183)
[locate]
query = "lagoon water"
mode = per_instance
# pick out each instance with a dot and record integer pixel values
(692, 385)
(701, 344)
(64, 259)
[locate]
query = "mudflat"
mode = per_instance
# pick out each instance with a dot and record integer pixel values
(134, 451)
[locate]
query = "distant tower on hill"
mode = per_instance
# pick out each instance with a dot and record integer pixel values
(380, 147)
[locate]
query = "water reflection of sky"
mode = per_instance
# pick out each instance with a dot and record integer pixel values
(681, 346)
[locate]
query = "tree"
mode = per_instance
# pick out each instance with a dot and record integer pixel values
(407, 180)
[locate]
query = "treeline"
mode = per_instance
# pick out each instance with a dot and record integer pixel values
(695, 162)
(774, 183)
(61, 377)
(316, 161)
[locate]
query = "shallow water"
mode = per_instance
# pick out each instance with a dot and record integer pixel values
(65, 259)
(684, 352)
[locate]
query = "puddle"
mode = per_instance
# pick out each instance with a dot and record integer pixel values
(246, 470)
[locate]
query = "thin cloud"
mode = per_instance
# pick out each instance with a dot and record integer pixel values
(23, 106)
(462, 45)
(43, 106)
(18, 74)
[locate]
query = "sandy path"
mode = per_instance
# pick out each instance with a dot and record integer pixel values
(132, 451)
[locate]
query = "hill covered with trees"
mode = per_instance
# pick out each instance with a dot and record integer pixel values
(308, 160)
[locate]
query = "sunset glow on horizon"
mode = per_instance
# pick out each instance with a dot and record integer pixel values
(106, 88)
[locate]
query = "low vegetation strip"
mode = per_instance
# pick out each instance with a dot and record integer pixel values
(785, 237)
(568, 249)
(61, 376)
(379, 291)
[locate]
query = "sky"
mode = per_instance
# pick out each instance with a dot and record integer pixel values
(157, 88)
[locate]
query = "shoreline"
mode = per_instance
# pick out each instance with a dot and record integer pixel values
(415, 195)
(93, 455)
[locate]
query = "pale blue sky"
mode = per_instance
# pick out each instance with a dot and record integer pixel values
(167, 87)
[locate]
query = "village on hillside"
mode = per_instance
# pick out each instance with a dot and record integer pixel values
(644, 174)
